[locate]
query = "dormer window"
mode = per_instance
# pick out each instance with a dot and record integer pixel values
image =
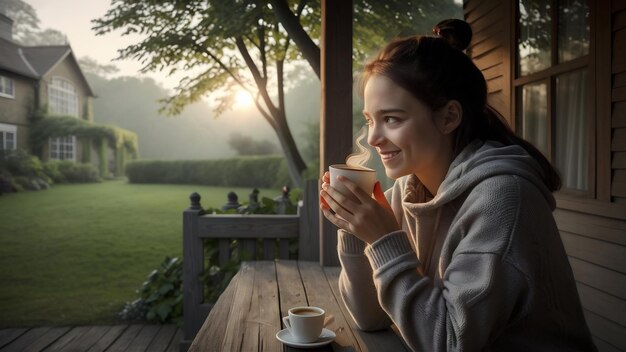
(7, 87)
(62, 98)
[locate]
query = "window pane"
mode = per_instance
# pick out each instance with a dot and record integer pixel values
(572, 127)
(1, 140)
(533, 45)
(573, 29)
(534, 113)
(10, 140)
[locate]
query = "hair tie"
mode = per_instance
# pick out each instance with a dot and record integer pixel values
(437, 31)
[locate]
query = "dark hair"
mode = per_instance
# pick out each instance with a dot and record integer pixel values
(435, 70)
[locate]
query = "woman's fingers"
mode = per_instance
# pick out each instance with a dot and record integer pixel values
(337, 221)
(358, 193)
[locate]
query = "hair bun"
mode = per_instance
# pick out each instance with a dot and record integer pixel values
(457, 32)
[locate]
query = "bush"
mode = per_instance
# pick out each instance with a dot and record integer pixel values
(76, 173)
(267, 172)
(20, 170)
(161, 296)
(19, 163)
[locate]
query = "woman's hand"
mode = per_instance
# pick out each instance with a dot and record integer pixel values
(367, 218)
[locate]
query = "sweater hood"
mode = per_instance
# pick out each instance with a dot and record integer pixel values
(476, 163)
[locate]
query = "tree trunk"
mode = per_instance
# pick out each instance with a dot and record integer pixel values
(290, 22)
(295, 163)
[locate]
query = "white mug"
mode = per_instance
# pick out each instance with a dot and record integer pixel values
(364, 177)
(305, 324)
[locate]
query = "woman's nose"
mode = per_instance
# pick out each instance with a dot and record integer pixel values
(375, 136)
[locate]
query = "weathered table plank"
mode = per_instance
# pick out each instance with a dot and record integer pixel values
(248, 314)
(211, 334)
(386, 340)
(290, 286)
(235, 326)
(319, 294)
(66, 339)
(269, 309)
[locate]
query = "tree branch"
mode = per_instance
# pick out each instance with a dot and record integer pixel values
(260, 81)
(290, 22)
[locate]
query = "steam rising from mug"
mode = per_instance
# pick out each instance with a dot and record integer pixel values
(362, 154)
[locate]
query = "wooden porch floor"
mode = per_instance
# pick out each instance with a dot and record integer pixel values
(157, 338)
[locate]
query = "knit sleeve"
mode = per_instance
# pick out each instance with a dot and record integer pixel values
(356, 284)
(480, 290)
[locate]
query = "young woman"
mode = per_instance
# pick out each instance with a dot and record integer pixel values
(462, 253)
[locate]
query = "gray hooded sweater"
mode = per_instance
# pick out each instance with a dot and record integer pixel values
(478, 267)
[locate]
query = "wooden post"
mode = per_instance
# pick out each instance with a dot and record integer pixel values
(309, 237)
(193, 259)
(336, 104)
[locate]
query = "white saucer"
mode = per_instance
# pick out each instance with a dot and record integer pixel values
(325, 338)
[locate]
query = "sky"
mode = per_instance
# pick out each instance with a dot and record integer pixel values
(73, 18)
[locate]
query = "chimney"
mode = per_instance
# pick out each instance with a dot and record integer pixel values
(6, 27)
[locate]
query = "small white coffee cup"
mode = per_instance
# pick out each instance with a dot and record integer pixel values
(364, 177)
(305, 324)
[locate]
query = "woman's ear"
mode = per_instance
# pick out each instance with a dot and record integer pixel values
(449, 117)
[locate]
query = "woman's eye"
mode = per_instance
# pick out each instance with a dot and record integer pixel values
(390, 119)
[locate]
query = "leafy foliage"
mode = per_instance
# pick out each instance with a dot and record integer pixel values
(246, 145)
(44, 127)
(161, 295)
(26, 29)
(265, 171)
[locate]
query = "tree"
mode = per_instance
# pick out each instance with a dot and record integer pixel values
(89, 65)
(228, 44)
(26, 25)
(232, 44)
(246, 145)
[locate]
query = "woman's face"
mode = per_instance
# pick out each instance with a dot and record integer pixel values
(403, 130)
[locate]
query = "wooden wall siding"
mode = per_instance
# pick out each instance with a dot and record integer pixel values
(593, 231)
(618, 97)
(596, 247)
(488, 49)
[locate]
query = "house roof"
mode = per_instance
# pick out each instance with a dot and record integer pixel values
(12, 59)
(36, 61)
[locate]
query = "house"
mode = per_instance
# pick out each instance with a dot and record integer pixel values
(40, 77)
(47, 82)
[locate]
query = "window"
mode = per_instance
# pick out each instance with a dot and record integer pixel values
(63, 148)
(8, 137)
(552, 86)
(7, 88)
(62, 100)
(62, 97)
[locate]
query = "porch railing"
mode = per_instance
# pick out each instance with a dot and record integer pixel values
(271, 232)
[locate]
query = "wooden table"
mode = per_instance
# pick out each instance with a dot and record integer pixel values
(248, 314)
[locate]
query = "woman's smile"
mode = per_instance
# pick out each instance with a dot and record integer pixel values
(387, 156)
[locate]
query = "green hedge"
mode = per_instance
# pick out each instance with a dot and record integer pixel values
(262, 171)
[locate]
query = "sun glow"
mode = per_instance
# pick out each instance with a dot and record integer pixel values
(243, 99)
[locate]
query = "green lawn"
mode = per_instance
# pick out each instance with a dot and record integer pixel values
(74, 254)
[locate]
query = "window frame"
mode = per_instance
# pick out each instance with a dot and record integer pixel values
(58, 149)
(7, 95)
(6, 129)
(549, 75)
(52, 86)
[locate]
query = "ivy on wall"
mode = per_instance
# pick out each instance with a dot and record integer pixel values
(123, 141)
